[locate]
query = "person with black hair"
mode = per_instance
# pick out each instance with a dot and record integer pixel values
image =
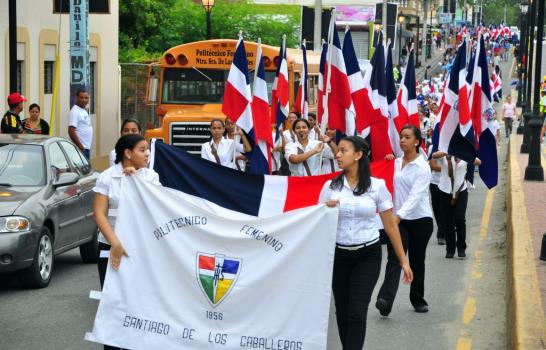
(80, 128)
(11, 122)
(128, 126)
(132, 157)
(34, 124)
(220, 149)
(414, 218)
(304, 154)
(357, 261)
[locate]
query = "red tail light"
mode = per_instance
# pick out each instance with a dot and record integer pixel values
(276, 61)
(170, 59)
(182, 59)
(267, 61)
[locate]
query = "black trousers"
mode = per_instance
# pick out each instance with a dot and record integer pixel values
(415, 235)
(508, 126)
(102, 266)
(435, 199)
(453, 219)
(354, 278)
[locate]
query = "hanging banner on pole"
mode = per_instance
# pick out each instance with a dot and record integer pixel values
(79, 47)
(199, 276)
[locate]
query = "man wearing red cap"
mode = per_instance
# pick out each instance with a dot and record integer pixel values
(11, 122)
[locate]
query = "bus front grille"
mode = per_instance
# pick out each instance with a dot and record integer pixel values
(189, 136)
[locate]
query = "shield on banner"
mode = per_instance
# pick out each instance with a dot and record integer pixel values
(216, 275)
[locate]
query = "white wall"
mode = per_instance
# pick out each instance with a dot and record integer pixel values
(36, 16)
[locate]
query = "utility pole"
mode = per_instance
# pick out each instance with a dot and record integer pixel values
(12, 46)
(317, 32)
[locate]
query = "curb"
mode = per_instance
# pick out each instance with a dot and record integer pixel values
(525, 323)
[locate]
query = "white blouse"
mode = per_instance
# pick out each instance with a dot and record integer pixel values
(357, 214)
(276, 156)
(109, 184)
(313, 162)
(459, 174)
(411, 189)
(225, 151)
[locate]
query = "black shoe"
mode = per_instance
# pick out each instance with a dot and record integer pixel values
(421, 309)
(441, 241)
(383, 306)
(461, 254)
(449, 255)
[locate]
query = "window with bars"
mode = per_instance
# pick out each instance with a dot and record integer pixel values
(21, 77)
(49, 73)
(92, 86)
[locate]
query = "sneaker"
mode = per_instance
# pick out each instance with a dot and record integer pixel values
(449, 255)
(421, 309)
(383, 306)
(441, 241)
(461, 254)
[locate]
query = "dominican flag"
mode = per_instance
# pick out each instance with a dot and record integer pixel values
(339, 96)
(361, 104)
(482, 118)
(408, 112)
(379, 132)
(322, 82)
(256, 195)
(279, 93)
(261, 116)
(394, 134)
(497, 87)
(302, 104)
(456, 131)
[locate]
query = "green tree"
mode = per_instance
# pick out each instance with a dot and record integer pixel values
(493, 12)
(149, 27)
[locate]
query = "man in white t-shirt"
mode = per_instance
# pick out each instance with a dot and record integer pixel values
(80, 129)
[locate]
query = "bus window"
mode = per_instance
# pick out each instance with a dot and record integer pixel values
(188, 86)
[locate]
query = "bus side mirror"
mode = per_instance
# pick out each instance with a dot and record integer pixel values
(152, 91)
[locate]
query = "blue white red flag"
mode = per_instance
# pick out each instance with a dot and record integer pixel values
(256, 195)
(408, 112)
(483, 117)
(497, 87)
(261, 118)
(339, 96)
(302, 103)
(393, 133)
(322, 82)
(456, 131)
(361, 104)
(279, 93)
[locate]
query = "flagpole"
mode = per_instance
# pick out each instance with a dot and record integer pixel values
(236, 138)
(302, 82)
(324, 123)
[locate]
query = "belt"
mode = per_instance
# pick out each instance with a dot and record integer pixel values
(357, 246)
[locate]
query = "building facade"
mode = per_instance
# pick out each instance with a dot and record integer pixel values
(42, 32)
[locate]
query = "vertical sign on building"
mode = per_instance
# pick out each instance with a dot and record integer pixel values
(79, 47)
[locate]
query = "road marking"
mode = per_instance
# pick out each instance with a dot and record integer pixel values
(469, 311)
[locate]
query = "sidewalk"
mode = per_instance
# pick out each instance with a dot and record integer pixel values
(436, 56)
(526, 223)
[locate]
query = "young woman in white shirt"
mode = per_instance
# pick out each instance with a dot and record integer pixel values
(508, 114)
(414, 218)
(129, 126)
(435, 196)
(221, 150)
(304, 154)
(453, 202)
(357, 261)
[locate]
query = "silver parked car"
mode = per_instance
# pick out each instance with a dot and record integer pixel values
(46, 205)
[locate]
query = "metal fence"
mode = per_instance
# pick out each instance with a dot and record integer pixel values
(134, 77)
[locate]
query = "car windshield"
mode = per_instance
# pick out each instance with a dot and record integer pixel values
(192, 86)
(21, 165)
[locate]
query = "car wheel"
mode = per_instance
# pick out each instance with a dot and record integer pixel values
(90, 250)
(39, 273)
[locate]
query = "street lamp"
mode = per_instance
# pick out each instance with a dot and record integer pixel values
(208, 5)
(400, 21)
(529, 77)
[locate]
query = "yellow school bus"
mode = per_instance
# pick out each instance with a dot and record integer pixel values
(187, 86)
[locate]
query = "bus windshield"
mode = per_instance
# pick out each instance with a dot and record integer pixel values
(190, 86)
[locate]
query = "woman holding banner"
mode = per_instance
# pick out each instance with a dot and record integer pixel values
(357, 261)
(304, 154)
(414, 218)
(132, 157)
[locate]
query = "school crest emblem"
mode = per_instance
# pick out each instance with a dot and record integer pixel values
(216, 275)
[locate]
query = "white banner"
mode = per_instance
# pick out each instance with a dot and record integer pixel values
(198, 280)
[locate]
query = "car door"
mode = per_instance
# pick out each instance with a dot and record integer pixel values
(65, 208)
(86, 182)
